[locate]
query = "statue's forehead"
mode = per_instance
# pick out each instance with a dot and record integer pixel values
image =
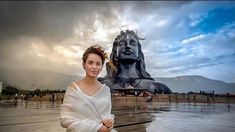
(128, 37)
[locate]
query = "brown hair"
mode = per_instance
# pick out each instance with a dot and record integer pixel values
(95, 49)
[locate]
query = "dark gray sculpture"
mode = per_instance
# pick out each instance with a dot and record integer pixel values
(126, 68)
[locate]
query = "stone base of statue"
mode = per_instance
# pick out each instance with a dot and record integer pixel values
(137, 85)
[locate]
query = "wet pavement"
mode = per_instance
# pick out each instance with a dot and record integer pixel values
(41, 116)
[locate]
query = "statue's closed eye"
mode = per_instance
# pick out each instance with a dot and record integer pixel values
(122, 43)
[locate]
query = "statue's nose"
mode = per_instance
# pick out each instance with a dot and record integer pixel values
(128, 45)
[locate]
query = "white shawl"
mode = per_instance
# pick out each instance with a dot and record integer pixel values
(83, 113)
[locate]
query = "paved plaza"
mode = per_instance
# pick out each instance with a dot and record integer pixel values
(43, 116)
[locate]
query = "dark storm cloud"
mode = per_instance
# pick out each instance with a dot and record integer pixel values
(42, 19)
(47, 20)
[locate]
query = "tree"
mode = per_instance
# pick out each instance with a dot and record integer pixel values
(37, 92)
(10, 90)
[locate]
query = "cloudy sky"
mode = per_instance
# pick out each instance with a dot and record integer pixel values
(182, 38)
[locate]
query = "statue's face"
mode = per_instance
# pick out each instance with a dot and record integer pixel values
(127, 48)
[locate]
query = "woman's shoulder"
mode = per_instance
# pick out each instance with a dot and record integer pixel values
(106, 87)
(73, 85)
(71, 88)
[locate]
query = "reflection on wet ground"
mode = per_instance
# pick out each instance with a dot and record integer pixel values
(40, 116)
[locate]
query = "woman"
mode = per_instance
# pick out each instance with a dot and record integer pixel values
(87, 102)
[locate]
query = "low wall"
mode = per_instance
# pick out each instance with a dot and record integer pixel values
(199, 98)
(176, 98)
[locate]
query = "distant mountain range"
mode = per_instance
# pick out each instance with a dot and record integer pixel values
(32, 79)
(196, 83)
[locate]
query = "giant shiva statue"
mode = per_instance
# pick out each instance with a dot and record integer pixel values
(126, 68)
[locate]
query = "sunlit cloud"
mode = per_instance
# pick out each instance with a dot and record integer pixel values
(67, 52)
(195, 19)
(40, 55)
(162, 23)
(193, 39)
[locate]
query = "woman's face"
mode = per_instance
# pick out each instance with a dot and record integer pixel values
(93, 65)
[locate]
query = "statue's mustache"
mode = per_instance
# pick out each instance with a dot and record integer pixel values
(127, 51)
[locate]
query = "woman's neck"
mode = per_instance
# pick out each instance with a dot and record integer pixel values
(90, 80)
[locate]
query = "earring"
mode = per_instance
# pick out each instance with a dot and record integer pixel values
(115, 58)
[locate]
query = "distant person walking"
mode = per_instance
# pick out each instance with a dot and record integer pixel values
(16, 99)
(50, 97)
(149, 99)
(53, 97)
(21, 97)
